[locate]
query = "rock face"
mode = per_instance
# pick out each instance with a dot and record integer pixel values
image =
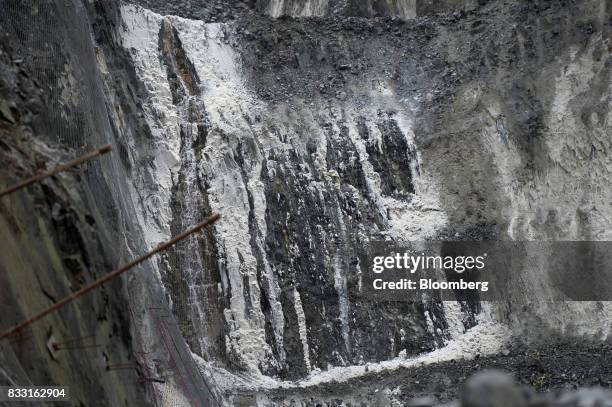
(61, 234)
(230, 10)
(66, 88)
(404, 9)
(302, 187)
(313, 137)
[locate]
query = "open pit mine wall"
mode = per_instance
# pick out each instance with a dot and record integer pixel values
(312, 137)
(315, 136)
(302, 183)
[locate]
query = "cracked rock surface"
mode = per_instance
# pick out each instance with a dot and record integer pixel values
(315, 128)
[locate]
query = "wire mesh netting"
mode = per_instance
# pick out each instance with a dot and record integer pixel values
(52, 41)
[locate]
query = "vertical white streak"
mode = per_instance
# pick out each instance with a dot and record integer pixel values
(340, 284)
(302, 327)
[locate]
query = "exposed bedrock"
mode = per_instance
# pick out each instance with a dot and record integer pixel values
(404, 9)
(315, 137)
(66, 87)
(229, 10)
(314, 133)
(300, 201)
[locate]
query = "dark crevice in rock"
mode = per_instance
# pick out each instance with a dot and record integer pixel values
(182, 75)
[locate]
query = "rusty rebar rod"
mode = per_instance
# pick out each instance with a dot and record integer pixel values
(62, 167)
(113, 274)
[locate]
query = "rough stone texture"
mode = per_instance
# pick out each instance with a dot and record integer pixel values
(404, 9)
(306, 184)
(228, 10)
(58, 235)
(545, 376)
(324, 134)
(313, 137)
(66, 88)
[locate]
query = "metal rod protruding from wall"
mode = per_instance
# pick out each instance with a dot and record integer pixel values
(62, 167)
(113, 274)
